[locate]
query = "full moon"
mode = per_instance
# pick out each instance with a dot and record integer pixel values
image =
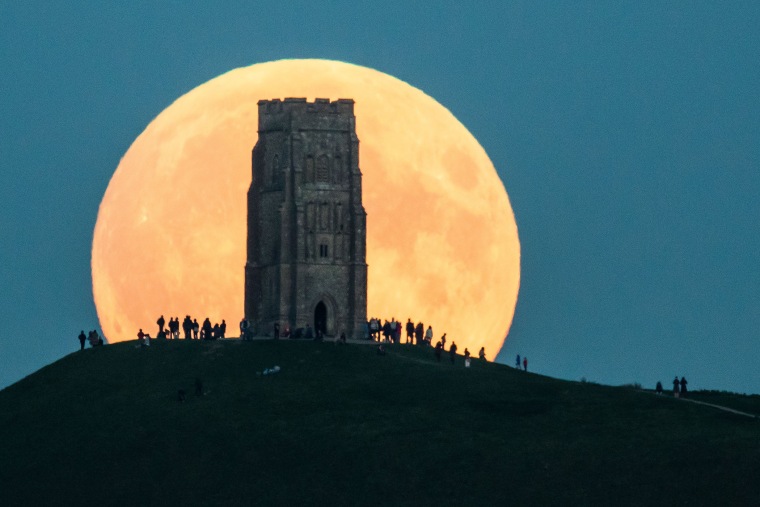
(442, 243)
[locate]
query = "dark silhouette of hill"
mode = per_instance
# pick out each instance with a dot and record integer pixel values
(340, 425)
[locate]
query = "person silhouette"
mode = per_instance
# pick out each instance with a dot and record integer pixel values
(518, 363)
(82, 339)
(160, 323)
(525, 363)
(658, 388)
(676, 385)
(683, 386)
(453, 351)
(482, 353)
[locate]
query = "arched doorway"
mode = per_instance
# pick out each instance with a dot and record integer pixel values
(320, 318)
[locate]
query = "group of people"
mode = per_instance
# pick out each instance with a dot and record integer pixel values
(679, 387)
(93, 337)
(391, 330)
(524, 363)
(191, 329)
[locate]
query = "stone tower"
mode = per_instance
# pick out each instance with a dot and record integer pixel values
(306, 222)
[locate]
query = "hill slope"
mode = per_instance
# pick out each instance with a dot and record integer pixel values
(340, 425)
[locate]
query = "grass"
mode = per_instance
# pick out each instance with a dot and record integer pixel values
(339, 425)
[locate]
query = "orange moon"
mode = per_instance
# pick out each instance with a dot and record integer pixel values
(442, 243)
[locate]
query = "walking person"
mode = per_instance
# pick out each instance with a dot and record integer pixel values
(482, 353)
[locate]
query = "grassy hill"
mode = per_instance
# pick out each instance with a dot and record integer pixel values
(340, 425)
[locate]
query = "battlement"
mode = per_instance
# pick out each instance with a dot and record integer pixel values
(298, 113)
(292, 104)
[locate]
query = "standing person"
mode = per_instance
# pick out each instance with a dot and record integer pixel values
(160, 323)
(94, 338)
(518, 363)
(187, 326)
(429, 335)
(676, 385)
(82, 339)
(525, 363)
(443, 340)
(276, 330)
(658, 388)
(418, 332)
(222, 329)
(140, 337)
(206, 327)
(466, 358)
(438, 349)
(482, 353)
(243, 325)
(683, 386)
(409, 331)
(196, 329)
(453, 351)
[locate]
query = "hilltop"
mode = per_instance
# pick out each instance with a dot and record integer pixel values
(340, 425)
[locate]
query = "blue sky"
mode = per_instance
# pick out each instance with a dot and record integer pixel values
(626, 134)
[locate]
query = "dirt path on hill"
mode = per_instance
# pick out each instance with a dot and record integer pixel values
(720, 407)
(713, 405)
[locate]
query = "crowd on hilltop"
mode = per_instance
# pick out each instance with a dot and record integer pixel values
(382, 331)
(391, 331)
(191, 330)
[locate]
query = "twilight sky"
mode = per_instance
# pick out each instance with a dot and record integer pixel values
(626, 135)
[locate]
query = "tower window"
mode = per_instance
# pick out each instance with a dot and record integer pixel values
(323, 173)
(323, 250)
